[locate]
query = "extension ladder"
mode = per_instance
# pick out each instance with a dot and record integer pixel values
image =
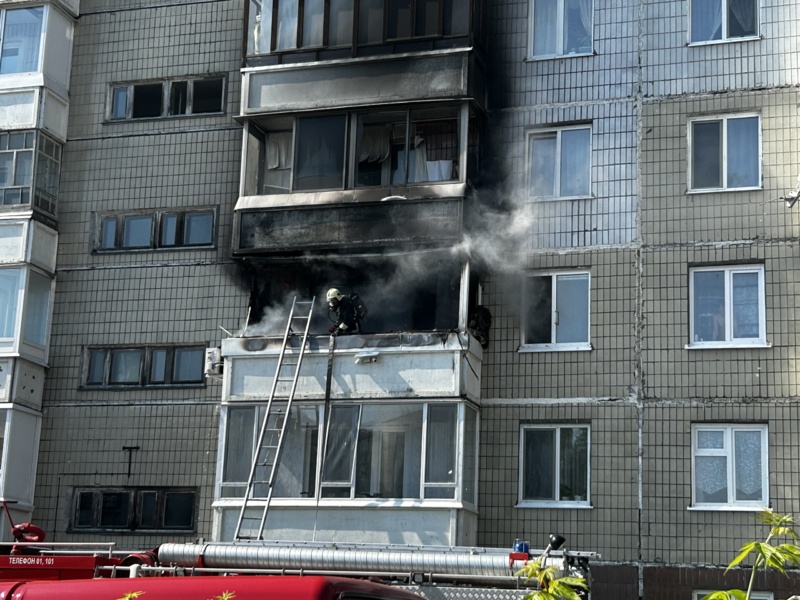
(267, 454)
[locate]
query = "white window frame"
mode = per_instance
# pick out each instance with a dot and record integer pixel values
(725, 38)
(525, 346)
(559, 34)
(557, 427)
(724, 119)
(730, 341)
(532, 133)
(729, 452)
(42, 35)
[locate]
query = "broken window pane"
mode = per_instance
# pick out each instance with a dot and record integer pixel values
(178, 96)
(148, 506)
(115, 509)
(538, 322)
(319, 162)
(147, 100)
(178, 510)
(207, 96)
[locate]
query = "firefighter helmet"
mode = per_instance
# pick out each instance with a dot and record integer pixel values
(334, 293)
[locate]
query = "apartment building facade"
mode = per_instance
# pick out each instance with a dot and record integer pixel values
(605, 180)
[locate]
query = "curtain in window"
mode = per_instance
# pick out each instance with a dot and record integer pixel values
(420, 158)
(585, 7)
(747, 465)
(375, 143)
(742, 152)
(706, 20)
(575, 162)
(545, 19)
(741, 18)
(287, 24)
(279, 150)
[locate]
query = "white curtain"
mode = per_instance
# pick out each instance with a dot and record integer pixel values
(374, 145)
(279, 150)
(420, 157)
(586, 17)
(706, 19)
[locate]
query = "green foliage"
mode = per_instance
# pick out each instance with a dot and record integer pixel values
(551, 586)
(766, 555)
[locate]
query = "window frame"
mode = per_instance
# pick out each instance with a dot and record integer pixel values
(167, 86)
(725, 37)
(729, 452)
(554, 503)
(729, 341)
(42, 33)
(531, 134)
(560, 24)
(724, 120)
(553, 346)
(157, 224)
(135, 515)
(104, 355)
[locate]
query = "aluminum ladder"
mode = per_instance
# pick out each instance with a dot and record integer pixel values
(267, 454)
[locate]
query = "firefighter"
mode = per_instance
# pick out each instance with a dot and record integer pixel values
(347, 318)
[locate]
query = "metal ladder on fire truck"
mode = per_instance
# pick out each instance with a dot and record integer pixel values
(269, 446)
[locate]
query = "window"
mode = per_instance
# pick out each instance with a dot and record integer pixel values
(555, 309)
(169, 98)
(17, 150)
(168, 365)
(560, 27)
(21, 44)
(725, 153)
(729, 464)
(726, 305)
(393, 148)
(554, 465)
(134, 509)
(716, 20)
(36, 303)
(559, 163)
(154, 231)
(285, 25)
(384, 451)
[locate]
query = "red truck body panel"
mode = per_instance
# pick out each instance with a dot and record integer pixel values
(236, 587)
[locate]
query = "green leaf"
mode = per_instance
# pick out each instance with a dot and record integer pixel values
(720, 595)
(738, 594)
(745, 550)
(578, 582)
(559, 589)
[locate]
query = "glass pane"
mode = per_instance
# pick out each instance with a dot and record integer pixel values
(389, 452)
(97, 367)
(747, 465)
(287, 24)
(572, 309)
(456, 17)
(340, 26)
(574, 458)
(84, 516)
(119, 103)
(542, 176)
(9, 297)
(711, 479)
(706, 155)
(169, 230)
(188, 366)
(710, 439)
(539, 456)
(709, 306)
(313, 12)
(426, 17)
(706, 20)
(320, 153)
(440, 447)
(148, 518)
(399, 25)
(470, 455)
(178, 97)
(158, 365)
(19, 140)
(741, 18)
(136, 231)
(743, 152)
(147, 98)
(37, 309)
(258, 38)
(238, 445)
(6, 169)
(440, 493)
(370, 21)
(23, 172)
(197, 229)
(545, 27)
(21, 40)
(115, 509)
(296, 477)
(575, 162)
(539, 310)
(338, 465)
(577, 26)
(125, 365)
(746, 305)
(108, 233)
(207, 96)
(178, 510)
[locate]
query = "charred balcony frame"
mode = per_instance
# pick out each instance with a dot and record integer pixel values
(288, 31)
